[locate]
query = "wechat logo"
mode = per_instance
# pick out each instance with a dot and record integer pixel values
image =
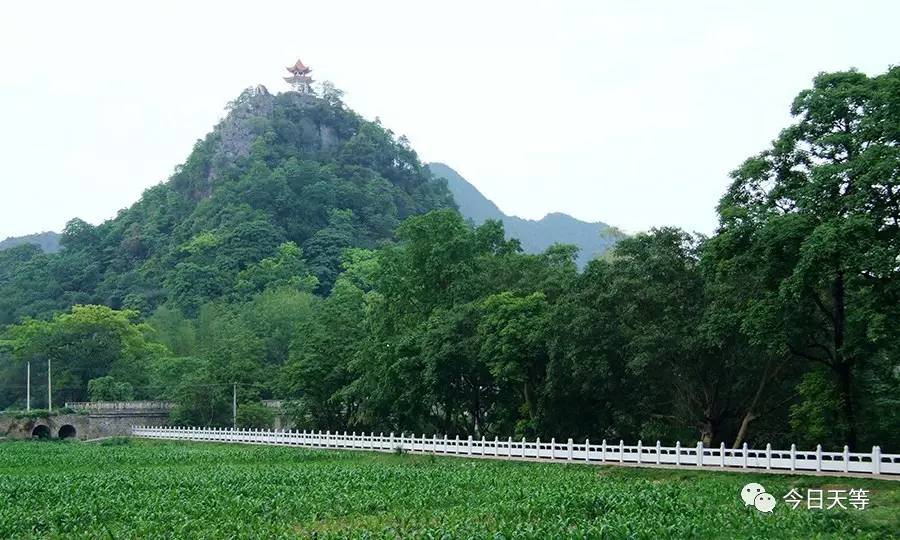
(755, 495)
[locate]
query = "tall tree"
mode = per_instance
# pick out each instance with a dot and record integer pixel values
(818, 215)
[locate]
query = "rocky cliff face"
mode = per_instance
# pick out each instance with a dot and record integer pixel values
(253, 114)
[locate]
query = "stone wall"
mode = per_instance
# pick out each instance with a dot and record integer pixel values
(87, 426)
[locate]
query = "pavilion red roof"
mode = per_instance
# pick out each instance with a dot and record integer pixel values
(299, 68)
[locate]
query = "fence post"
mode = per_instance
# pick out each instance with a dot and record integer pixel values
(677, 453)
(640, 450)
(769, 456)
(793, 457)
(818, 457)
(537, 448)
(876, 460)
(603, 451)
(482, 445)
(571, 450)
(391, 441)
(509, 447)
(846, 458)
(621, 451)
(496, 446)
(722, 452)
(523, 446)
(587, 449)
(658, 452)
(699, 453)
(552, 447)
(745, 455)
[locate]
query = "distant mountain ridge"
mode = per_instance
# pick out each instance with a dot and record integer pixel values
(48, 241)
(593, 239)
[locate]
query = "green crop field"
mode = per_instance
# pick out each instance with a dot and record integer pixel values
(149, 489)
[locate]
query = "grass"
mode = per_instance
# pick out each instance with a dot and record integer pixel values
(152, 489)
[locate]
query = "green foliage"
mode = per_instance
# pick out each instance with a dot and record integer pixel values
(32, 414)
(286, 269)
(305, 254)
(116, 441)
(816, 418)
(810, 230)
(48, 242)
(255, 415)
(513, 346)
(107, 388)
(593, 240)
(278, 169)
(150, 490)
(89, 342)
(200, 401)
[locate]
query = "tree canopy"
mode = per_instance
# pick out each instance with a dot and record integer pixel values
(305, 255)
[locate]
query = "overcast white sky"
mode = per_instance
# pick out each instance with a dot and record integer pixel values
(632, 113)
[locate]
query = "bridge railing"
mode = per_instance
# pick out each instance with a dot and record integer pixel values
(120, 405)
(568, 451)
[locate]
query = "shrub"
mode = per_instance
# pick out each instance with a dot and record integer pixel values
(255, 415)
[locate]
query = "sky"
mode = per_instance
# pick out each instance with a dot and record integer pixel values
(630, 113)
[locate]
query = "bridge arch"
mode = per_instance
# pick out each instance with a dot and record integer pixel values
(40, 431)
(66, 431)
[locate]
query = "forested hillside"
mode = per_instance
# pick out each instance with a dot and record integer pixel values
(305, 254)
(48, 241)
(592, 239)
(277, 170)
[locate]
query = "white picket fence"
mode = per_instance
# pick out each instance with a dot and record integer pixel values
(569, 451)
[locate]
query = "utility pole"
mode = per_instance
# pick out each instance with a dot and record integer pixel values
(49, 388)
(28, 386)
(234, 407)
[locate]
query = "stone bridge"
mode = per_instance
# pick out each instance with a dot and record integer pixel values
(89, 421)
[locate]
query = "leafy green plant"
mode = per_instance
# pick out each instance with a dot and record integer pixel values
(116, 441)
(151, 489)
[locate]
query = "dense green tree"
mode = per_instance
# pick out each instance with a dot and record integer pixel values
(255, 416)
(513, 336)
(287, 269)
(107, 388)
(457, 379)
(325, 345)
(817, 216)
(87, 343)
